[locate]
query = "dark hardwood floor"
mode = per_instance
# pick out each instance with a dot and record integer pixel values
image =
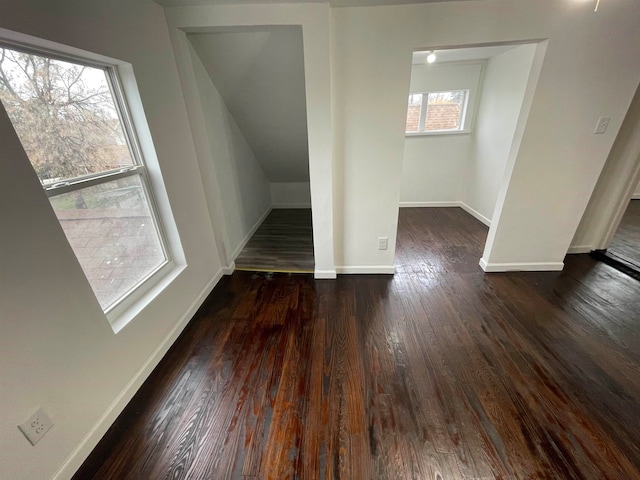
(283, 243)
(440, 372)
(626, 241)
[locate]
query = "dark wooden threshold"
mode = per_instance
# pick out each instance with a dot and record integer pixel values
(621, 264)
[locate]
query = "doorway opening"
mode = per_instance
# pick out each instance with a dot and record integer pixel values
(251, 84)
(464, 107)
(624, 249)
(610, 225)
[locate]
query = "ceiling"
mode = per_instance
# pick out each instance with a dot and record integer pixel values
(463, 54)
(259, 72)
(374, 3)
(333, 3)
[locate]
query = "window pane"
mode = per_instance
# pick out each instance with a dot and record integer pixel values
(444, 111)
(413, 113)
(64, 115)
(112, 232)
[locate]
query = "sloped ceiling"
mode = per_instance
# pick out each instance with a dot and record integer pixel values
(260, 75)
(333, 3)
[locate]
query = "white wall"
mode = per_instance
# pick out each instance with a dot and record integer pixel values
(434, 165)
(291, 195)
(636, 192)
(550, 178)
(259, 71)
(58, 349)
(314, 19)
(433, 169)
(505, 81)
(243, 187)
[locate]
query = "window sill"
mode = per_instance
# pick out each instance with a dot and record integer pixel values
(438, 133)
(137, 301)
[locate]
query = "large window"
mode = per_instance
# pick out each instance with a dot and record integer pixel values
(74, 126)
(436, 112)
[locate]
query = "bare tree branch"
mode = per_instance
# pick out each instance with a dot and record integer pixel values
(3, 76)
(67, 124)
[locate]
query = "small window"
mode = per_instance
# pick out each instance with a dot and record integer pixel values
(73, 123)
(436, 112)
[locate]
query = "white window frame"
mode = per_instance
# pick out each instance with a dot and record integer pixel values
(464, 128)
(138, 137)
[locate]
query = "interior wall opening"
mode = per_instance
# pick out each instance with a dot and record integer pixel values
(251, 86)
(625, 245)
(463, 109)
(610, 225)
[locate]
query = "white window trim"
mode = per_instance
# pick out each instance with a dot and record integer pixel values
(129, 105)
(432, 133)
(464, 124)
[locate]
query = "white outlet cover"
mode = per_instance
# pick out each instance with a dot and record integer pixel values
(35, 427)
(601, 126)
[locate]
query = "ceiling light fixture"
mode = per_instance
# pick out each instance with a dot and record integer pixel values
(432, 57)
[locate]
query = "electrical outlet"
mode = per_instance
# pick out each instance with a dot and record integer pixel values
(36, 426)
(382, 243)
(601, 126)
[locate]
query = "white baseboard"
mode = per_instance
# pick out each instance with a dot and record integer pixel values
(521, 267)
(579, 249)
(367, 269)
(475, 213)
(429, 204)
(89, 442)
(291, 205)
(248, 236)
(230, 269)
(324, 274)
(456, 203)
(635, 196)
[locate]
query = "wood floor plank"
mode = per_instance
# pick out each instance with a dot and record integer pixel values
(439, 372)
(283, 242)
